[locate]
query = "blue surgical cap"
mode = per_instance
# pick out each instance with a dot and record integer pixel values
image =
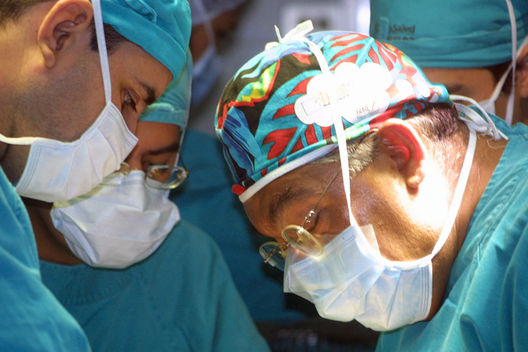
(449, 33)
(161, 27)
(173, 105)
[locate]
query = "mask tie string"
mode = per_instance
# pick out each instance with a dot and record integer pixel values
(330, 95)
(484, 125)
(101, 45)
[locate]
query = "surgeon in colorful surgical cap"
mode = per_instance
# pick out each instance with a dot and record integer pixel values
(386, 200)
(472, 47)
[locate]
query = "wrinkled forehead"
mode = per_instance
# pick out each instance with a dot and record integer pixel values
(290, 197)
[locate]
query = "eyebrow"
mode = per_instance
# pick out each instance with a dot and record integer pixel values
(151, 93)
(453, 88)
(278, 202)
(173, 147)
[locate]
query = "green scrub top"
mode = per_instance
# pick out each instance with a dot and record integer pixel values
(181, 298)
(31, 319)
(486, 301)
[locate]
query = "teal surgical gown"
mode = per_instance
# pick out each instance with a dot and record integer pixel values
(31, 319)
(181, 298)
(486, 301)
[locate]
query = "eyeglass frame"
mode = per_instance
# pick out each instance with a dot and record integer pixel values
(125, 168)
(280, 248)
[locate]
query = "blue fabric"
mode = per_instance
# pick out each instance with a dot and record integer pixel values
(181, 298)
(31, 319)
(173, 105)
(486, 300)
(206, 200)
(449, 33)
(161, 27)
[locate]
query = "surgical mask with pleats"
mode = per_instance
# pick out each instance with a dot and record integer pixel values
(58, 170)
(351, 280)
(119, 223)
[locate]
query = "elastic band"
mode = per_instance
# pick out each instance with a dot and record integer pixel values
(20, 140)
(101, 44)
(284, 169)
(459, 193)
(490, 126)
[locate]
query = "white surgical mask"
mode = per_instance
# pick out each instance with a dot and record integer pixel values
(58, 170)
(119, 223)
(351, 280)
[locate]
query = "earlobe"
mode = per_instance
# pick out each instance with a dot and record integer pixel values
(404, 146)
(62, 24)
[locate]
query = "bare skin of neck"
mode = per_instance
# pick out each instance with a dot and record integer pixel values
(51, 245)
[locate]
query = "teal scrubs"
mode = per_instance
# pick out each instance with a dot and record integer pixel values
(206, 200)
(486, 301)
(181, 298)
(31, 319)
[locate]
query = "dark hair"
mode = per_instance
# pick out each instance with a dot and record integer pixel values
(13, 9)
(438, 121)
(112, 38)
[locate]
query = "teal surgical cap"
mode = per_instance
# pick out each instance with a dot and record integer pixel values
(161, 27)
(449, 33)
(173, 105)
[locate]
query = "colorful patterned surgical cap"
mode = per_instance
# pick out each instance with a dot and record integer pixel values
(274, 115)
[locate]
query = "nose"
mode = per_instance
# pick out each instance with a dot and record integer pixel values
(134, 159)
(131, 122)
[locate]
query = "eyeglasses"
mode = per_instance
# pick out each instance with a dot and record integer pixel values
(274, 253)
(161, 176)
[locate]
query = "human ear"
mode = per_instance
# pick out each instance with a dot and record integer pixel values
(405, 148)
(62, 25)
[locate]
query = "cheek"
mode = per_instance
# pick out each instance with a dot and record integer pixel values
(382, 207)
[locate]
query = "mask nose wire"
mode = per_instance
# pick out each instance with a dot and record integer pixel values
(103, 54)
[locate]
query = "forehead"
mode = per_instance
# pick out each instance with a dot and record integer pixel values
(132, 63)
(289, 197)
(477, 83)
(156, 135)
